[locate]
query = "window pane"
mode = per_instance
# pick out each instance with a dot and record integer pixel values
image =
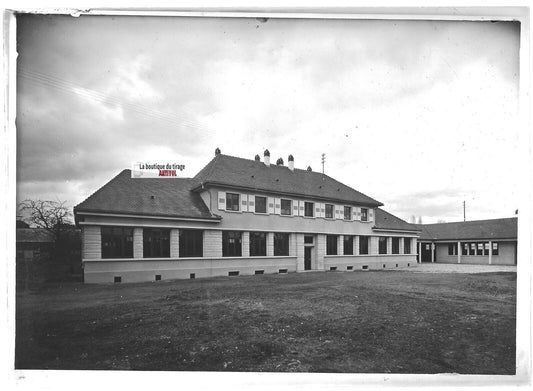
(364, 214)
(191, 243)
(281, 244)
(348, 245)
(260, 204)
(347, 213)
(156, 243)
(309, 209)
(231, 244)
(495, 248)
(232, 201)
(329, 211)
(331, 244)
(363, 245)
(257, 244)
(286, 206)
(117, 242)
(308, 239)
(382, 245)
(407, 245)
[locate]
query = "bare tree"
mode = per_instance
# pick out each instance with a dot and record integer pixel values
(50, 215)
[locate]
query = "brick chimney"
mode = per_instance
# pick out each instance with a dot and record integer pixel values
(267, 158)
(291, 162)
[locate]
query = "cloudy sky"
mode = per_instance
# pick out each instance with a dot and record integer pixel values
(419, 115)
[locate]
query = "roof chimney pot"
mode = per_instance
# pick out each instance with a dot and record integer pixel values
(267, 158)
(217, 151)
(257, 158)
(291, 162)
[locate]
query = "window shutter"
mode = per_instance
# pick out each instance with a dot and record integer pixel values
(294, 208)
(358, 211)
(222, 200)
(322, 210)
(301, 211)
(370, 214)
(270, 206)
(244, 202)
(251, 203)
(277, 206)
(354, 213)
(338, 212)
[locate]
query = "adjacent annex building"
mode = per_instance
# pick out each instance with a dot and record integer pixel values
(236, 217)
(484, 242)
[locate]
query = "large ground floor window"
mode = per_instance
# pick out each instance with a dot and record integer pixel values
(395, 245)
(257, 244)
(156, 243)
(331, 244)
(281, 244)
(231, 244)
(363, 245)
(191, 243)
(407, 245)
(348, 245)
(382, 241)
(117, 242)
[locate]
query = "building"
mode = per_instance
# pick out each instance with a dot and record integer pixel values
(487, 242)
(235, 217)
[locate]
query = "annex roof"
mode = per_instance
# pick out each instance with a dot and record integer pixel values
(464, 230)
(167, 197)
(385, 220)
(252, 175)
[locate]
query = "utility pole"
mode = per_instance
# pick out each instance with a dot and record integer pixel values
(464, 210)
(323, 161)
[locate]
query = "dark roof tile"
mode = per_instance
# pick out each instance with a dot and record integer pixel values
(478, 229)
(385, 220)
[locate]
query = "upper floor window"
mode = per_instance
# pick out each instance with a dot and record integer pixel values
(382, 245)
(281, 244)
(191, 243)
(232, 201)
(395, 245)
(156, 243)
(331, 244)
(257, 244)
(364, 214)
(117, 242)
(286, 206)
(347, 213)
(348, 245)
(260, 204)
(363, 245)
(309, 209)
(231, 244)
(407, 245)
(329, 211)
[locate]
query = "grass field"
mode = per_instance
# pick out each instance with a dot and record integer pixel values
(363, 322)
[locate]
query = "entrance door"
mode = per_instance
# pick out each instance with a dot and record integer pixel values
(307, 257)
(426, 252)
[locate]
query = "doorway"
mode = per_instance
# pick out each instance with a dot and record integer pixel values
(426, 252)
(308, 251)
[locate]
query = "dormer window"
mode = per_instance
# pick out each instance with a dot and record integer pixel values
(232, 201)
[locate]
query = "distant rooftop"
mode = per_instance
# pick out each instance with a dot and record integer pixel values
(479, 229)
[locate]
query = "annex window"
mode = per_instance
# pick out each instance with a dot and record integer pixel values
(232, 201)
(257, 244)
(348, 245)
(308, 239)
(117, 242)
(472, 249)
(260, 204)
(480, 249)
(347, 213)
(309, 209)
(363, 245)
(395, 245)
(407, 245)
(465, 249)
(231, 244)
(286, 206)
(382, 241)
(331, 243)
(452, 249)
(495, 248)
(329, 211)
(191, 243)
(486, 249)
(156, 243)
(281, 244)
(364, 214)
